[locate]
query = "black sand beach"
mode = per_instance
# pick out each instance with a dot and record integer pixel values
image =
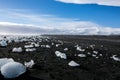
(49, 67)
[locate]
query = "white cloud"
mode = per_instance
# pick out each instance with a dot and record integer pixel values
(99, 2)
(84, 28)
(18, 22)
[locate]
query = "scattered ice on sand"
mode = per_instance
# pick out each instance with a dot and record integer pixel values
(73, 64)
(29, 64)
(12, 69)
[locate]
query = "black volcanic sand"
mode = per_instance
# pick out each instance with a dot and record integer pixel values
(50, 67)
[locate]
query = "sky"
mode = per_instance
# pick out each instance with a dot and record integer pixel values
(81, 17)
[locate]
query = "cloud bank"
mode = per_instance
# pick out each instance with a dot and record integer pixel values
(20, 22)
(74, 28)
(99, 2)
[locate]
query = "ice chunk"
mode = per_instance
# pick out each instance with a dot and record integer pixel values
(92, 46)
(30, 50)
(96, 52)
(47, 46)
(3, 43)
(73, 63)
(57, 45)
(4, 61)
(17, 49)
(79, 49)
(89, 53)
(36, 45)
(96, 57)
(58, 53)
(66, 49)
(12, 69)
(28, 46)
(81, 55)
(43, 45)
(115, 58)
(93, 55)
(100, 54)
(61, 55)
(29, 64)
(52, 43)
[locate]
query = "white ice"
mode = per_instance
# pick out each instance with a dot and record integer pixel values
(81, 55)
(61, 55)
(12, 69)
(73, 63)
(29, 64)
(17, 49)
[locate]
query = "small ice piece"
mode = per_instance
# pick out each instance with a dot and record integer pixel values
(3, 43)
(29, 64)
(61, 55)
(100, 54)
(73, 64)
(17, 49)
(66, 49)
(36, 45)
(96, 57)
(4, 61)
(75, 54)
(115, 58)
(47, 46)
(96, 52)
(30, 50)
(58, 53)
(92, 46)
(9, 41)
(101, 45)
(81, 55)
(57, 45)
(93, 55)
(79, 49)
(12, 69)
(76, 46)
(52, 44)
(89, 53)
(28, 46)
(16, 40)
(43, 45)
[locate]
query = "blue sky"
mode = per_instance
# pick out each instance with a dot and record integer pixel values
(51, 14)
